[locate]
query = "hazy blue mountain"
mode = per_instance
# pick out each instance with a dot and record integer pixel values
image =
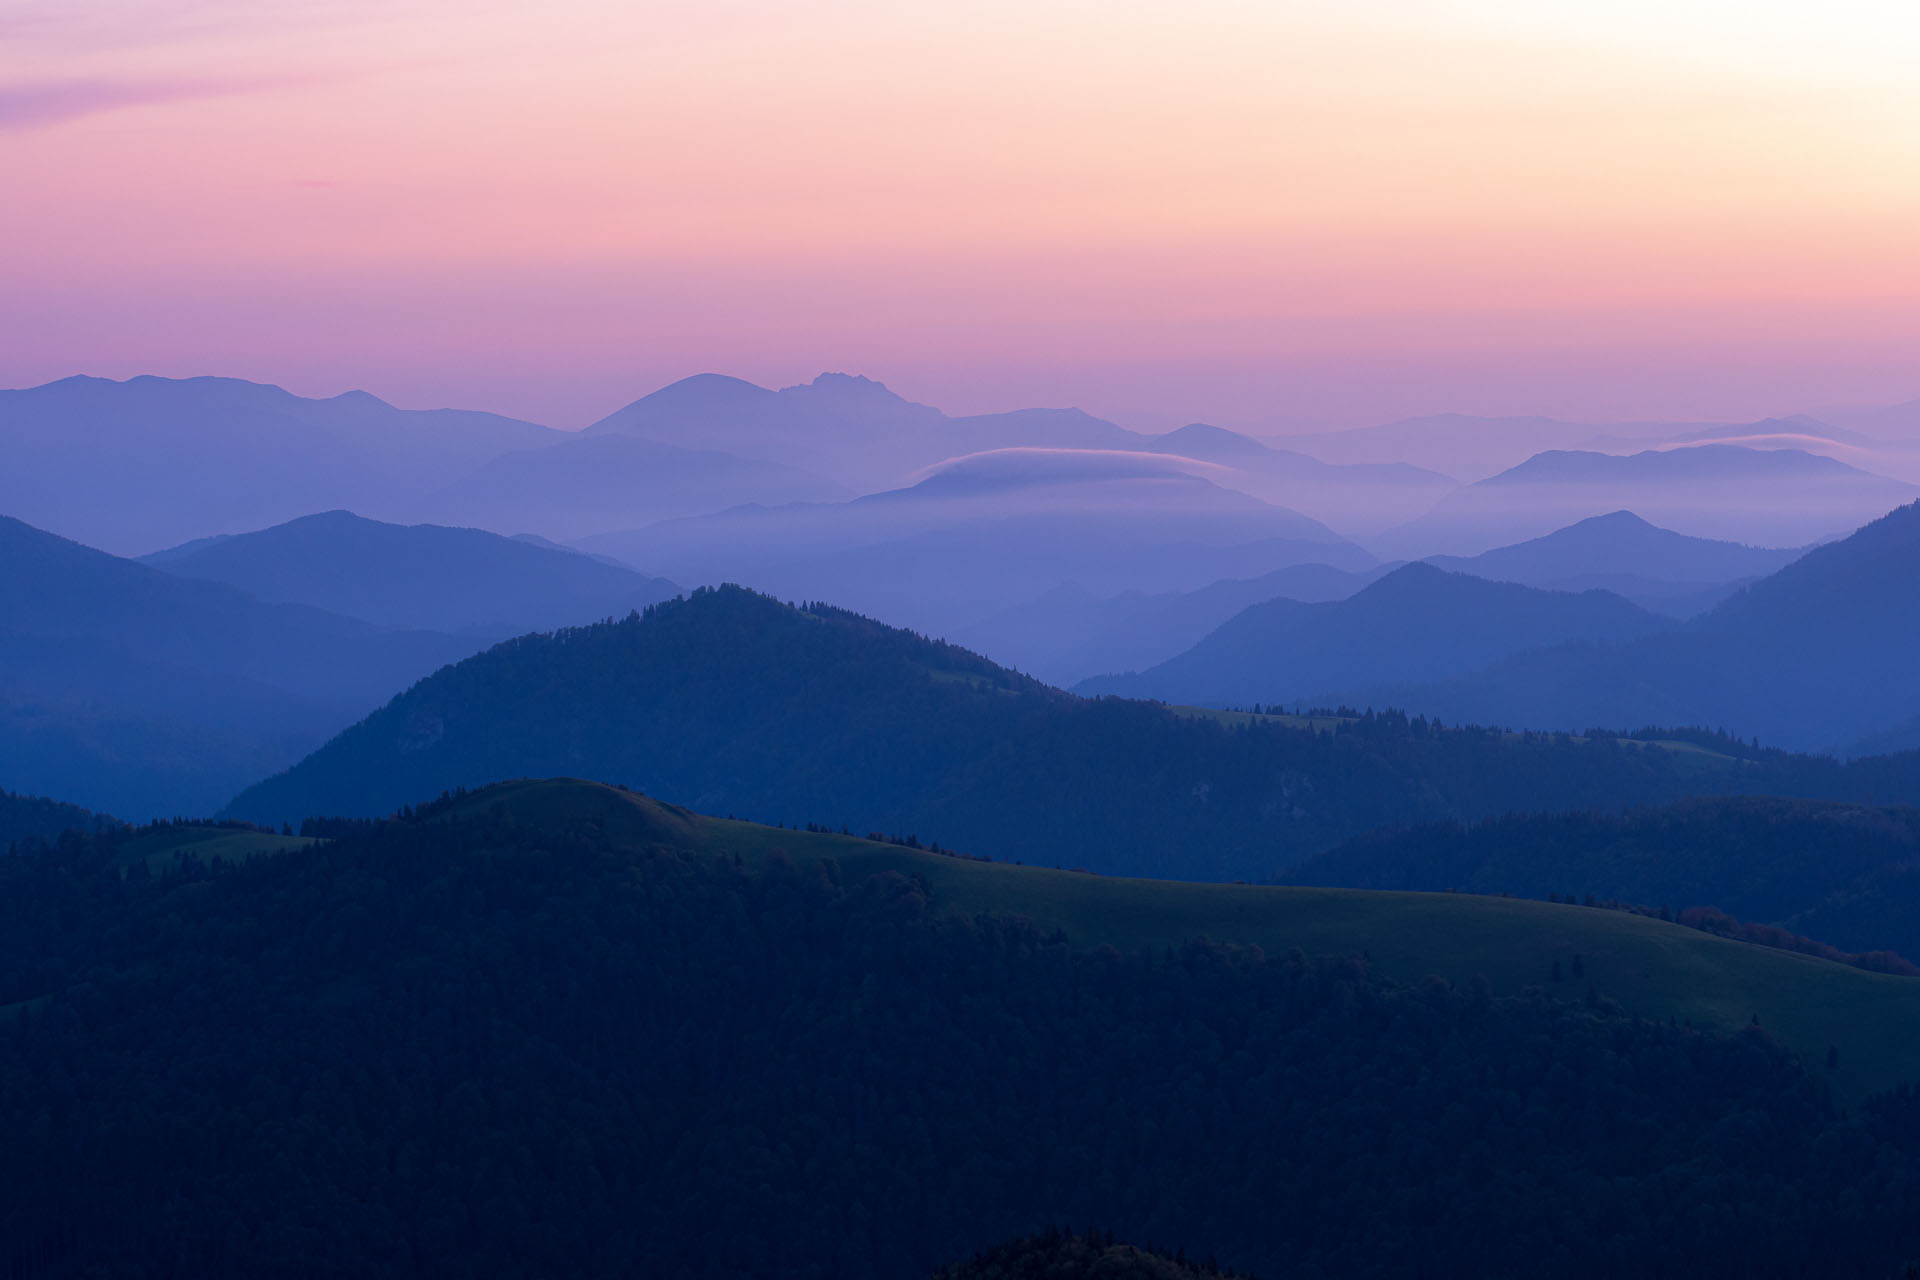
(129, 689)
(422, 576)
(1417, 619)
(599, 483)
(1459, 445)
(735, 704)
(152, 462)
(863, 434)
(983, 533)
(1656, 568)
(1765, 497)
(1819, 655)
(1354, 498)
(1069, 634)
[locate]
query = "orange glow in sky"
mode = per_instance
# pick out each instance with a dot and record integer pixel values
(1258, 214)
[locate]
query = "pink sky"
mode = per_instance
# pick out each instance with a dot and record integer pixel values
(1258, 214)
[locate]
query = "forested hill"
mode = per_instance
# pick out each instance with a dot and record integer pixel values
(731, 702)
(483, 1044)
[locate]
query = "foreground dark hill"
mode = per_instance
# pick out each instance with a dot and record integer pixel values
(150, 462)
(128, 689)
(551, 1029)
(1814, 657)
(1656, 568)
(1416, 623)
(422, 576)
(733, 703)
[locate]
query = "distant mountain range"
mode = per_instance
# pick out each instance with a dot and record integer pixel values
(1416, 619)
(421, 576)
(1819, 655)
(982, 533)
(151, 462)
(1766, 497)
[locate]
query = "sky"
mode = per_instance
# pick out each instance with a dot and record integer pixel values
(1271, 215)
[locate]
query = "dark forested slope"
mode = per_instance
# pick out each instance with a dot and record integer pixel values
(463, 1045)
(25, 817)
(733, 703)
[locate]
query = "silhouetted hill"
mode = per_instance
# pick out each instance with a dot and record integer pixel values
(24, 817)
(151, 462)
(1766, 497)
(423, 576)
(132, 690)
(1070, 634)
(982, 533)
(552, 1029)
(731, 702)
(1416, 623)
(1846, 874)
(1356, 498)
(1816, 656)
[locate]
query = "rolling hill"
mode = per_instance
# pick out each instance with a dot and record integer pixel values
(128, 689)
(1416, 623)
(421, 576)
(36, 817)
(734, 703)
(729, 1044)
(152, 462)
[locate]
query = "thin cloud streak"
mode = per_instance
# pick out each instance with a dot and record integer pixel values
(43, 106)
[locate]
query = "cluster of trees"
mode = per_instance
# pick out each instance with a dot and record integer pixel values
(1061, 1255)
(468, 1047)
(1846, 874)
(730, 702)
(36, 817)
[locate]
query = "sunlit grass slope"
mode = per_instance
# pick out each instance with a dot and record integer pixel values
(1652, 968)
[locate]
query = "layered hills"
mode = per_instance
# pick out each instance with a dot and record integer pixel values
(1814, 656)
(1418, 622)
(132, 690)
